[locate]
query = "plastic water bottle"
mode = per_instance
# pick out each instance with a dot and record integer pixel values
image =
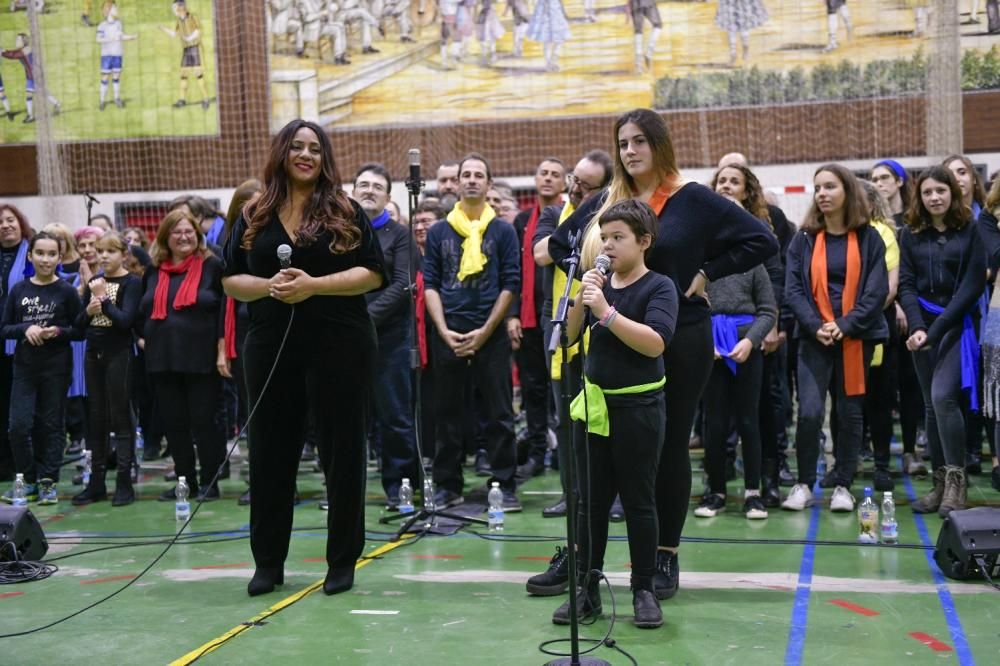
(495, 513)
(140, 444)
(867, 519)
(20, 494)
(890, 528)
(87, 466)
(406, 497)
(182, 507)
(429, 494)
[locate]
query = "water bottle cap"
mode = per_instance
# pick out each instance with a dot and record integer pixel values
(887, 494)
(868, 491)
(19, 477)
(406, 480)
(495, 484)
(181, 479)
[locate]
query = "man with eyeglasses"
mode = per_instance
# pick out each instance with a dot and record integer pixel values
(388, 308)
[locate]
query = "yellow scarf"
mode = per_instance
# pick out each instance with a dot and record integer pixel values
(558, 285)
(472, 231)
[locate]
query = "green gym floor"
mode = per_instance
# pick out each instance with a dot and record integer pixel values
(460, 599)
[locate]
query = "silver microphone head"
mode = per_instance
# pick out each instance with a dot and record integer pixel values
(414, 155)
(285, 255)
(603, 264)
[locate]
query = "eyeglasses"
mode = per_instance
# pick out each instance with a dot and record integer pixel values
(181, 233)
(584, 186)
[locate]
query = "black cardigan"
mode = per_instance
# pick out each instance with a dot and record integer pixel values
(948, 269)
(865, 320)
(698, 230)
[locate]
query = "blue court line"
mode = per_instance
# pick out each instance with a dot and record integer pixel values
(958, 638)
(800, 608)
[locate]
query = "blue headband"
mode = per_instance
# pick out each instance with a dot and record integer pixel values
(896, 167)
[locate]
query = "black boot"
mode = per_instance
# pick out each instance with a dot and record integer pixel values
(264, 580)
(771, 492)
(96, 491)
(125, 454)
(588, 603)
(646, 609)
(339, 580)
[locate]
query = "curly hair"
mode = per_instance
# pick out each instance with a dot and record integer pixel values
(328, 208)
(753, 192)
(918, 218)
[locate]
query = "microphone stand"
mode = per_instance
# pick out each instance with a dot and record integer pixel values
(560, 340)
(89, 201)
(428, 513)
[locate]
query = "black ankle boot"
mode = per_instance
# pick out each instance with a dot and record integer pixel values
(771, 491)
(646, 609)
(338, 580)
(588, 604)
(264, 580)
(125, 454)
(94, 492)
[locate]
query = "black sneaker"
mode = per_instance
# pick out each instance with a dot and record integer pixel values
(617, 512)
(529, 470)
(510, 502)
(554, 580)
(445, 499)
(557, 510)
(710, 506)
(666, 580)
(646, 609)
(753, 508)
(209, 494)
(785, 477)
(830, 480)
(882, 480)
(588, 605)
(244, 499)
(973, 464)
(482, 464)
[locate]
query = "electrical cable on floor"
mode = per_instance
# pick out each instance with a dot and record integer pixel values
(17, 570)
(177, 536)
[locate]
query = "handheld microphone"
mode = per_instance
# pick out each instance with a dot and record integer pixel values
(603, 264)
(285, 255)
(414, 155)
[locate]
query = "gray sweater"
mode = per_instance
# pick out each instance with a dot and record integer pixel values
(746, 293)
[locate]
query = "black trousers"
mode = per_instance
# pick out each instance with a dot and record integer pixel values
(625, 464)
(940, 373)
(532, 367)
(6, 454)
(911, 399)
(729, 395)
(188, 404)
(880, 397)
(109, 385)
(563, 424)
(688, 360)
(328, 373)
(37, 422)
(489, 370)
(393, 414)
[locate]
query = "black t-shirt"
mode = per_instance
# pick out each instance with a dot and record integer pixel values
(111, 330)
(317, 314)
(52, 304)
(836, 271)
(611, 364)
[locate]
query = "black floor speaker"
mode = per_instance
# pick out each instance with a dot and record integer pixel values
(965, 537)
(18, 526)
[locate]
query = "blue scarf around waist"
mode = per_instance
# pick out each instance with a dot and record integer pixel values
(16, 275)
(969, 353)
(725, 334)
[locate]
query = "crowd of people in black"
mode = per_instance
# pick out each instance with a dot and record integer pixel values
(714, 321)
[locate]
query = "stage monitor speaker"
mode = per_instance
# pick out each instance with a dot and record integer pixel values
(965, 537)
(20, 527)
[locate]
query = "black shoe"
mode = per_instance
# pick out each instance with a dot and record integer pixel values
(588, 605)
(180, 103)
(28, 120)
(882, 480)
(831, 479)
(341, 60)
(92, 493)
(482, 464)
(973, 464)
(529, 470)
(617, 512)
(666, 580)
(338, 580)
(244, 499)
(86, 21)
(264, 580)
(170, 476)
(75, 447)
(406, 39)
(557, 510)
(120, 104)
(554, 580)
(124, 495)
(209, 494)
(445, 499)
(771, 497)
(647, 610)
(510, 502)
(392, 500)
(785, 476)
(710, 506)
(369, 49)
(100, 107)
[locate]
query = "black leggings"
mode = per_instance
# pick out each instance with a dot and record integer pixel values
(187, 404)
(688, 360)
(109, 385)
(880, 395)
(624, 463)
(725, 395)
(940, 373)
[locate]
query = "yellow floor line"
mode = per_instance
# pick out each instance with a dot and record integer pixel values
(216, 643)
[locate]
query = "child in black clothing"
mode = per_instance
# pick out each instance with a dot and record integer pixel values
(40, 314)
(632, 315)
(112, 301)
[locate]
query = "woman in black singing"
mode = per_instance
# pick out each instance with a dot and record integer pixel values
(328, 360)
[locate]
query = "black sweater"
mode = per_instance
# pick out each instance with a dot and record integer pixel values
(947, 269)
(111, 330)
(865, 320)
(388, 306)
(698, 230)
(541, 273)
(52, 304)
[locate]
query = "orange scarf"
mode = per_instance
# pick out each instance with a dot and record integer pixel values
(853, 350)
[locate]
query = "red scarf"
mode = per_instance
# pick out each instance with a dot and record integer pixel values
(188, 292)
(854, 358)
(529, 319)
(230, 329)
(421, 308)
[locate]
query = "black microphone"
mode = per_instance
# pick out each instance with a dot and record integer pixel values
(90, 197)
(603, 264)
(414, 155)
(285, 255)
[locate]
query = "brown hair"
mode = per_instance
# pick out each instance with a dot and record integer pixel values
(26, 231)
(978, 191)
(753, 192)
(855, 208)
(143, 237)
(958, 215)
(636, 215)
(245, 193)
(328, 208)
(159, 252)
(993, 198)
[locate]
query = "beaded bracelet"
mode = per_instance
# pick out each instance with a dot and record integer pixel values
(608, 316)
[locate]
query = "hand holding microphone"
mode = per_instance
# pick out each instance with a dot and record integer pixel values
(290, 285)
(592, 291)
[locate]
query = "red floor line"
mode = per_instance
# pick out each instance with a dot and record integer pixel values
(315, 559)
(109, 579)
(854, 608)
(235, 565)
(8, 595)
(533, 559)
(930, 641)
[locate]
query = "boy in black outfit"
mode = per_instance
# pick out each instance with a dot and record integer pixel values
(632, 314)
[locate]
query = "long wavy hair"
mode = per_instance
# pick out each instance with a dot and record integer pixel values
(328, 209)
(855, 207)
(978, 189)
(22, 221)
(878, 207)
(918, 218)
(623, 186)
(753, 200)
(993, 197)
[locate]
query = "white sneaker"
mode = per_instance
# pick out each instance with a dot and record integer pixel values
(799, 498)
(842, 500)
